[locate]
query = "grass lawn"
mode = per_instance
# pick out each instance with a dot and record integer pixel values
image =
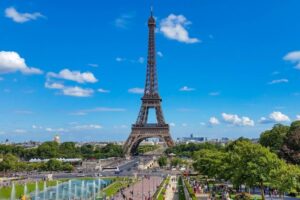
(181, 189)
(5, 191)
(113, 189)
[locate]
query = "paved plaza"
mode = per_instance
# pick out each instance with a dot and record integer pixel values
(143, 189)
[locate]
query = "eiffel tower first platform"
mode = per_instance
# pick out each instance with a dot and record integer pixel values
(142, 130)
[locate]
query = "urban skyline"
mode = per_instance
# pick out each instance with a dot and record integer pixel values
(219, 77)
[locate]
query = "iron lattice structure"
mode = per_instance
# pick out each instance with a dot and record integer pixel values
(151, 99)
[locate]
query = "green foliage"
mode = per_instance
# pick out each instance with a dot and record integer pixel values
(159, 194)
(162, 161)
(290, 150)
(111, 150)
(250, 164)
(69, 150)
(181, 195)
(190, 190)
(15, 157)
(188, 149)
(9, 163)
(210, 162)
(286, 178)
(176, 162)
(147, 148)
(114, 188)
(274, 138)
(56, 165)
(243, 196)
(48, 150)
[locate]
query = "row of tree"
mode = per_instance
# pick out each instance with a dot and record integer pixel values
(245, 163)
(48, 150)
(11, 163)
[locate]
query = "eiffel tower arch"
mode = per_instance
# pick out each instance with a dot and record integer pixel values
(151, 99)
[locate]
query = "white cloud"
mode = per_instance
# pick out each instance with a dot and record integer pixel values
(18, 17)
(279, 81)
(36, 127)
(123, 21)
(54, 85)
(160, 54)
(275, 73)
(136, 90)
(184, 124)
(172, 124)
(87, 127)
(214, 93)
(202, 123)
(56, 130)
(77, 91)
(101, 90)
(293, 57)
(23, 112)
(74, 91)
(11, 61)
(174, 27)
(119, 59)
(298, 117)
(213, 121)
(20, 131)
(93, 65)
(236, 120)
(186, 110)
(186, 89)
(141, 60)
(98, 109)
(77, 76)
(274, 117)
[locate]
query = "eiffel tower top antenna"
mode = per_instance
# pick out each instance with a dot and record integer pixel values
(151, 10)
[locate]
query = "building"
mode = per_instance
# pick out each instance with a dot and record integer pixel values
(194, 139)
(56, 139)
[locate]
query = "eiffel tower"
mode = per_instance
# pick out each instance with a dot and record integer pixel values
(142, 130)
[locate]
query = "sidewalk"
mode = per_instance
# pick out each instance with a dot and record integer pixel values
(170, 192)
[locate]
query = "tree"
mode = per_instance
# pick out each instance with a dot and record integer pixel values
(48, 150)
(251, 164)
(69, 150)
(53, 165)
(9, 163)
(210, 162)
(286, 178)
(176, 161)
(274, 138)
(187, 150)
(290, 150)
(163, 161)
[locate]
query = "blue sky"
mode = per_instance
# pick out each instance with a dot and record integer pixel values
(226, 69)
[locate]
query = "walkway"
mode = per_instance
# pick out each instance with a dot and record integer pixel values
(143, 189)
(171, 190)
